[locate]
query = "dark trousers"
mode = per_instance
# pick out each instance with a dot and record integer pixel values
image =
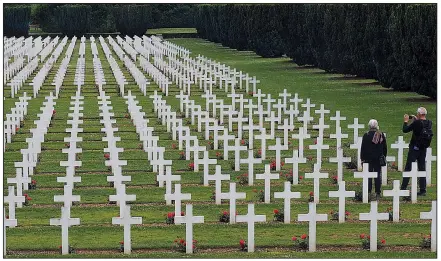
(420, 157)
(375, 167)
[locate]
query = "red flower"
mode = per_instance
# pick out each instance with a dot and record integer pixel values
(225, 213)
(121, 242)
(334, 177)
(393, 163)
(34, 181)
(26, 195)
(185, 243)
(369, 237)
(182, 153)
(255, 190)
(259, 151)
(383, 241)
(304, 236)
(282, 163)
(174, 146)
(242, 142)
(107, 155)
(276, 211)
(182, 241)
(300, 177)
(53, 112)
(17, 128)
(362, 236)
(347, 213)
(311, 193)
(294, 238)
(182, 213)
(7, 217)
(210, 137)
(310, 158)
(242, 242)
(170, 214)
(191, 166)
(428, 236)
(60, 247)
(315, 142)
(28, 198)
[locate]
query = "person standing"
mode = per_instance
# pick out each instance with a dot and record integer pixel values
(373, 147)
(421, 137)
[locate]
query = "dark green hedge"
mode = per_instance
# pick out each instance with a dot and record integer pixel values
(394, 43)
(16, 20)
(132, 19)
(73, 19)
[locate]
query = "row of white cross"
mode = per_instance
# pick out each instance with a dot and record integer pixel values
(71, 164)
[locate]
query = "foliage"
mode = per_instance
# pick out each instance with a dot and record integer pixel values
(73, 19)
(224, 217)
(393, 43)
(243, 179)
(16, 20)
(426, 242)
(301, 243)
(279, 215)
(132, 19)
(366, 242)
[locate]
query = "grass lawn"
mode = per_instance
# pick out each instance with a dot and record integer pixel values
(96, 237)
(171, 31)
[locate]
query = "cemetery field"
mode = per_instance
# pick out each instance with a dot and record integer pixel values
(172, 31)
(97, 237)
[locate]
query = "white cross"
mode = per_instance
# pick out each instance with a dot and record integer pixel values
(356, 127)
(396, 193)
(12, 199)
(414, 174)
(295, 160)
(337, 118)
(7, 223)
(121, 198)
(233, 196)
(278, 148)
(312, 217)
(432, 216)
(177, 197)
(251, 128)
(400, 145)
(340, 160)
(319, 147)
(251, 161)
(301, 137)
(365, 175)
(168, 178)
(284, 95)
(429, 159)
(19, 180)
(65, 222)
(374, 216)
(341, 194)
(296, 102)
(189, 220)
(67, 197)
(237, 149)
(263, 137)
(218, 177)
(358, 147)
(287, 195)
(285, 127)
(127, 220)
(316, 175)
(267, 177)
(251, 219)
(226, 137)
(206, 162)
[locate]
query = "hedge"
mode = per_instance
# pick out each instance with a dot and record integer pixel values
(393, 43)
(16, 20)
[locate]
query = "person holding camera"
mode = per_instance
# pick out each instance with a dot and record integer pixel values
(374, 152)
(421, 137)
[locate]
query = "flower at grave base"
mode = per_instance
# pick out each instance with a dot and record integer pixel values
(294, 238)
(121, 242)
(255, 190)
(7, 217)
(210, 137)
(315, 142)
(282, 163)
(310, 158)
(191, 166)
(17, 128)
(311, 193)
(393, 164)
(362, 236)
(170, 215)
(174, 146)
(182, 241)
(300, 177)
(237, 213)
(383, 241)
(182, 213)
(225, 213)
(259, 151)
(26, 195)
(107, 156)
(276, 211)
(428, 236)
(126, 116)
(347, 213)
(242, 243)
(304, 236)
(176, 240)
(185, 243)
(242, 142)
(34, 181)
(60, 247)
(28, 198)
(369, 237)
(53, 112)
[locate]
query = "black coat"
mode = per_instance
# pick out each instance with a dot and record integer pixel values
(371, 152)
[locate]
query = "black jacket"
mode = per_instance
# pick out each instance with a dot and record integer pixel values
(371, 152)
(416, 127)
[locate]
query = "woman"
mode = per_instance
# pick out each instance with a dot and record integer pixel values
(373, 147)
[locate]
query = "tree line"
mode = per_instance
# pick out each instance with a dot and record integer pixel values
(72, 19)
(393, 43)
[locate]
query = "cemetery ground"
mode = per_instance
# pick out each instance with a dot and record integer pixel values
(97, 237)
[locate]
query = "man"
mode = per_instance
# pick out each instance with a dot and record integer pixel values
(417, 146)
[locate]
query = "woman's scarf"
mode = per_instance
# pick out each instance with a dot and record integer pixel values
(378, 137)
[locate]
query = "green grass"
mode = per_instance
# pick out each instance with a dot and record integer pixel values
(172, 31)
(354, 97)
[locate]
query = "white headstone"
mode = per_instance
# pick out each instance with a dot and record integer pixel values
(189, 220)
(287, 195)
(432, 216)
(396, 193)
(414, 174)
(267, 176)
(374, 216)
(365, 175)
(341, 194)
(312, 217)
(251, 219)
